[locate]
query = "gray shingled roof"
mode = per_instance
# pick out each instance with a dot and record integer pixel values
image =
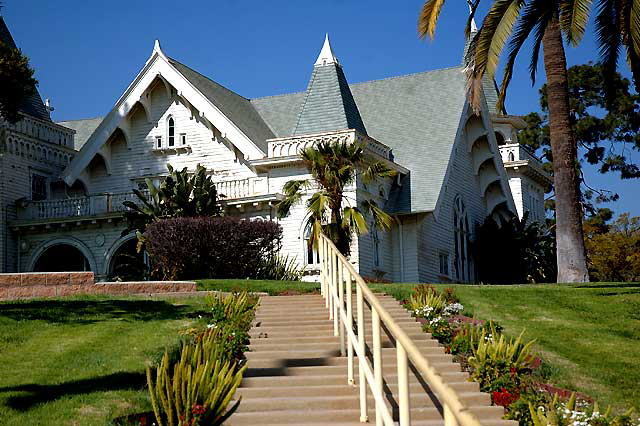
(237, 108)
(84, 129)
(33, 105)
(417, 115)
(328, 103)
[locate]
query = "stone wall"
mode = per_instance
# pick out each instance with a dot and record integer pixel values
(57, 284)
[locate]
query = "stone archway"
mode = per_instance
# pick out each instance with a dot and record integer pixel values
(62, 255)
(124, 263)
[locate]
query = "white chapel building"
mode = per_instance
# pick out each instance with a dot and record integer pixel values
(63, 184)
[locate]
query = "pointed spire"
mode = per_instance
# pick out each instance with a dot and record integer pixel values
(328, 103)
(326, 54)
(157, 49)
(474, 27)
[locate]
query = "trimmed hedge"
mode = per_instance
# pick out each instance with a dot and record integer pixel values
(196, 247)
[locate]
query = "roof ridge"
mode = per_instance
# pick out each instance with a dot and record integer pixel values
(364, 82)
(208, 78)
(80, 119)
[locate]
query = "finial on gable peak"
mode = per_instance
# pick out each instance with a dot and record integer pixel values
(326, 54)
(157, 49)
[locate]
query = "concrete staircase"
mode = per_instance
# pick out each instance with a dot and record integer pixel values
(296, 376)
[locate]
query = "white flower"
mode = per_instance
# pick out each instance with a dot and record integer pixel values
(453, 309)
(214, 325)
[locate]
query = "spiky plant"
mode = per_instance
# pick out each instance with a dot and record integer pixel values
(200, 385)
(334, 167)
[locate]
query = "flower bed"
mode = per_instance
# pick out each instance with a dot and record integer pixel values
(506, 368)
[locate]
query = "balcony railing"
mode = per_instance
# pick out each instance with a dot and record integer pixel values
(293, 145)
(107, 203)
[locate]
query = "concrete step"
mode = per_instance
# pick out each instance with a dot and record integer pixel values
(267, 344)
(343, 389)
(344, 402)
(321, 367)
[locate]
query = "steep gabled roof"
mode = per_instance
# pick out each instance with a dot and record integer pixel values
(237, 108)
(328, 102)
(84, 128)
(33, 105)
(417, 115)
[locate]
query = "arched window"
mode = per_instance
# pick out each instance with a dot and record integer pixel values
(499, 138)
(511, 156)
(311, 255)
(461, 238)
(171, 132)
(376, 245)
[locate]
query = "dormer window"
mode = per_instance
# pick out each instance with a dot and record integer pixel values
(171, 133)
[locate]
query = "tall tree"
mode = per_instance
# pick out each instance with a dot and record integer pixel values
(333, 167)
(537, 19)
(16, 80)
(607, 130)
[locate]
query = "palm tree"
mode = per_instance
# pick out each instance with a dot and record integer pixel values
(333, 167)
(540, 20)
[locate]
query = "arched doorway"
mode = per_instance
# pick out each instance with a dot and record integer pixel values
(61, 258)
(127, 264)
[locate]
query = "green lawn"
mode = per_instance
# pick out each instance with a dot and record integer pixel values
(81, 361)
(273, 288)
(589, 334)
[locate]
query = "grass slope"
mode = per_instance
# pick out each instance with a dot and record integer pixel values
(590, 334)
(81, 361)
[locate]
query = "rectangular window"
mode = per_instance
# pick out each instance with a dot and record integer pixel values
(158, 142)
(38, 187)
(444, 263)
(183, 138)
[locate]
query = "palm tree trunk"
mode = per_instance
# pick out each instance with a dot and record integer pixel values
(572, 265)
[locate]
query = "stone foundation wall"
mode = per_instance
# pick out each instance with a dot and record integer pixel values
(58, 284)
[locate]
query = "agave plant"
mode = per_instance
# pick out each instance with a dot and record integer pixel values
(495, 356)
(200, 386)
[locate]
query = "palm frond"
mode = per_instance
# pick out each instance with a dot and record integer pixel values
(528, 21)
(609, 40)
(428, 19)
(352, 218)
(381, 218)
(293, 194)
(493, 35)
(472, 14)
(377, 170)
(574, 16)
(318, 203)
(543, 20)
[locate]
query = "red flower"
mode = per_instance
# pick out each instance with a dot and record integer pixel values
(198, 410)
(504, 398)
(513, 371)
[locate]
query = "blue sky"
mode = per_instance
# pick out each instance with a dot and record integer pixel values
(86, 52)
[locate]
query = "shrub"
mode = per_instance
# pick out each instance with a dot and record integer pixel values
(498, 362)
(198, 388)
(440, 329)
(197, 247)
(279, 268)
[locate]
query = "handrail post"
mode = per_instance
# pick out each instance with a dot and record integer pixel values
(330, 287)
(403, 386)
(361, 359)
(327, 285)
(349, 327)
(377, 359)
(334, 295)
(321, 257)
(341, 323)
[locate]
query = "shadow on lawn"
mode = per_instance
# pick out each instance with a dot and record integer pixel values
(91, 311)
(38, 394)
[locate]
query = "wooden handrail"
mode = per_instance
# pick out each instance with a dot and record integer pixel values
(335, 272)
